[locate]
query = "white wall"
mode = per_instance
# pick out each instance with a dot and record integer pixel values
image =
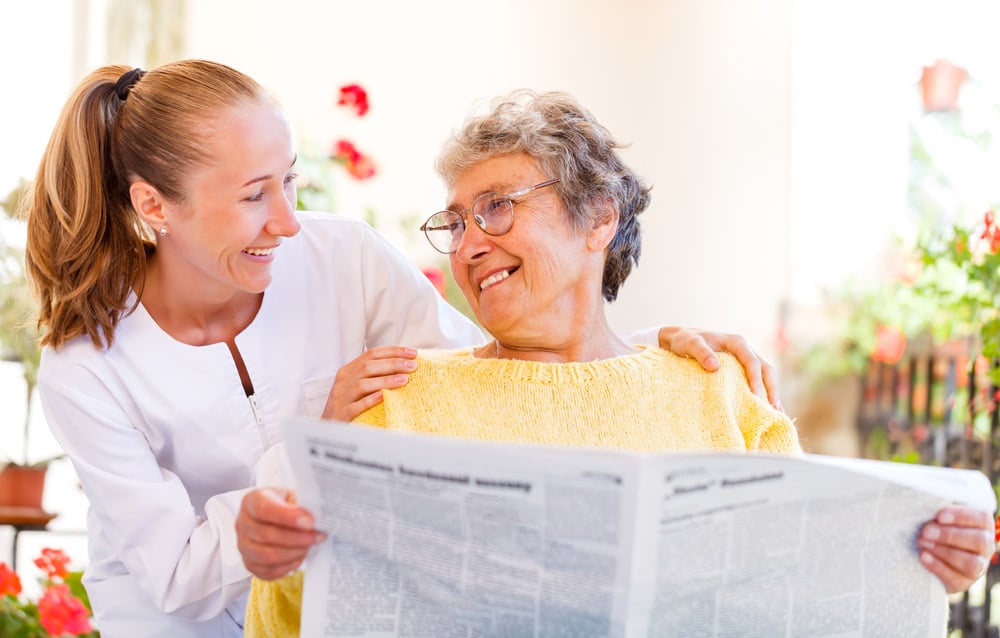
(35, 73)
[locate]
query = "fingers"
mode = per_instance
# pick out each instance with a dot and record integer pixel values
(771, 384)
(957, 570)
(957, 546)
(358, 385)
(761, 375)
(688, 343)
(752, 364)
(273, 534)
(965, 516)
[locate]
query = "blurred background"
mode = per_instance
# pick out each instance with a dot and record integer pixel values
(795, 148)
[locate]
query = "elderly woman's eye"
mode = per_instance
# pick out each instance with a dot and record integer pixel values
(495, 206)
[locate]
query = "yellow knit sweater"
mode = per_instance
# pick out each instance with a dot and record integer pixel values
(649, 401)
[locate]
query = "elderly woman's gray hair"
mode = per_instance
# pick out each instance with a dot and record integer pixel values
(570, 144)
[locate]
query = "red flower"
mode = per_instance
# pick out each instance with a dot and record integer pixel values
(60, 612)
(345, 151)
(361, 168)
(10, 583)
(991, 231)
(889, 344)
(53, 562)
(354, 97)
(358, 165)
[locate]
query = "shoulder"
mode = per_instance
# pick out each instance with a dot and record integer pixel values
(435, 357)
(81, 354)
(328, 256)
(433, 365)
(729, 380)
(321, 229)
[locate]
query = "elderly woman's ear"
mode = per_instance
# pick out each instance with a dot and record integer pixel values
(604, 227)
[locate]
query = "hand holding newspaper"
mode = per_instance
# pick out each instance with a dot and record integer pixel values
(434, 536)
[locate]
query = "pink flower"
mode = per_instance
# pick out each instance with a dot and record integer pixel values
(890, 342)
(10, 583)
(60, 612)
(53, 562)
(354, 97)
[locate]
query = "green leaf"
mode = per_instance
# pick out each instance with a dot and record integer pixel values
(74, 580)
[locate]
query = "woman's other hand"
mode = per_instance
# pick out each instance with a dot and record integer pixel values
(702, 345)
(359, 384)
(956, 546)
(273, 533)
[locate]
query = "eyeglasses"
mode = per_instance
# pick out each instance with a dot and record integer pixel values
(492, 212)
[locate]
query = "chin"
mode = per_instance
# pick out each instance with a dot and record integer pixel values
(257, 286)
(496, 326)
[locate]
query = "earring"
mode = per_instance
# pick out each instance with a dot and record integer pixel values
(163, 230)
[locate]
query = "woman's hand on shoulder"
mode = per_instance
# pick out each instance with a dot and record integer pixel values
(273, 533)
(956, 546)
(701, 345)
(359, 384)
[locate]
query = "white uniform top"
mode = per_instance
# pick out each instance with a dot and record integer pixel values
(165, 440)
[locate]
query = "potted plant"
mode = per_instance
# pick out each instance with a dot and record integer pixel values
(22, 481)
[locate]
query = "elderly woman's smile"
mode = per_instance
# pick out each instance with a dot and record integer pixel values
(496, 278)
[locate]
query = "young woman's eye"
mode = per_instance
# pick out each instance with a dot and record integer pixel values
(291, 178)
(256, 197)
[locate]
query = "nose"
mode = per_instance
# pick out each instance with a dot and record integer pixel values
(282, 221)
(474, 244)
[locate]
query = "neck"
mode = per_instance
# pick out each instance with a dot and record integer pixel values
(575, 344)
(196, 315)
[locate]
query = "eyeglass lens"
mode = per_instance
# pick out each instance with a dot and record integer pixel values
(491, 212)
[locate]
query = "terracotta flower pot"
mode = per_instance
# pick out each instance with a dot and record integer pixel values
(940, 84)
(22, 486)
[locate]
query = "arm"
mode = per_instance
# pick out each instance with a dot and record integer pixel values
(141, 513)
(957, 545)
(764, 428)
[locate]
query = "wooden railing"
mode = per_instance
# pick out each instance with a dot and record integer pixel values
(937, 409)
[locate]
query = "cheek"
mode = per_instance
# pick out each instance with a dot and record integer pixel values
(459, 272)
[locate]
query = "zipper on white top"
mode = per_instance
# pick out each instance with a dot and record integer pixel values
(259, 419)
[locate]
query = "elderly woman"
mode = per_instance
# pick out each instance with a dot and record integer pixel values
(541, 231)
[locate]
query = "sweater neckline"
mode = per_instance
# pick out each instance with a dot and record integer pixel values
(542, 371)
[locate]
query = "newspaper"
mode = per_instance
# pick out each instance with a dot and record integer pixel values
(438, 537)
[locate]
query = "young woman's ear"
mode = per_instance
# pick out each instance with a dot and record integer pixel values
(604, 228)
(148, 203)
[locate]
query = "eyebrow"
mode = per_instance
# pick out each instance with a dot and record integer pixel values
(262, 178)
(499, 189)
